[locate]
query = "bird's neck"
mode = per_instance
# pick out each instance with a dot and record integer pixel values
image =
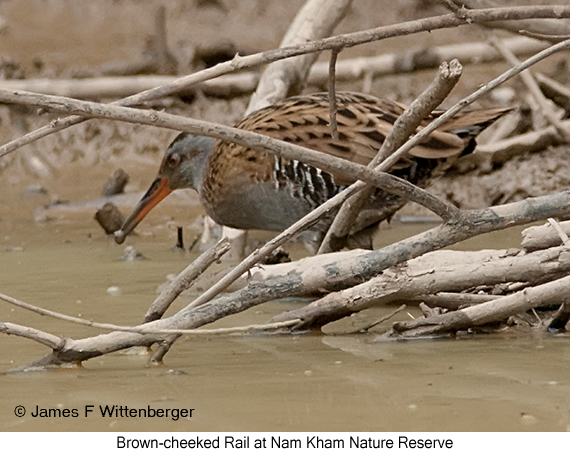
(201, 163)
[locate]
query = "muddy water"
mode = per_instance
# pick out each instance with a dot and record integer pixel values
(261, 382)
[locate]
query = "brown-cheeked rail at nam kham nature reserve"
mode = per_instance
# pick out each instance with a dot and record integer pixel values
(336, 179)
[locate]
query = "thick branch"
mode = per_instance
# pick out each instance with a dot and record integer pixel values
(432, 273)
(544, 236)
(493, 311)
(49, 340)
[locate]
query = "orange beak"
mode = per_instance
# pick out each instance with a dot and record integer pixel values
(156, 193)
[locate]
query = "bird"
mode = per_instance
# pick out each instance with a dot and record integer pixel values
(248, 189)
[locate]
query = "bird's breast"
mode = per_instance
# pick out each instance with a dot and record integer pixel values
(262, 191)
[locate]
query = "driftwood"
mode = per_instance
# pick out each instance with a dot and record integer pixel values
(440, 271)
(334, 276)
(493, 311)
(545, 236)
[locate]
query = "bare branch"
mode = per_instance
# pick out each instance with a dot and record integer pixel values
(550, 30)
(546, 107)
(452, 300)
(185, 280)
(246, 82)
(556, 226)
(544, 236)
(544, 36)
(496, 310)
(56, 343)
(447, 77)
(253, 140)
(430, 274)
(374, 323)
(332, 93)
(49, 313)
(287, 77)
(49, 340)
(347, 40)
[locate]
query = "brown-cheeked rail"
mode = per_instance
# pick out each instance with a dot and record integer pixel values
(247, 189)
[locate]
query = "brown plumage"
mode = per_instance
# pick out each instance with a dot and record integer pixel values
(247, 189)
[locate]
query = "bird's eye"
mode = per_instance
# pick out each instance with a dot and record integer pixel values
(173, 160)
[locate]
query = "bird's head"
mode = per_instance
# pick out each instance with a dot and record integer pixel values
(183, 166)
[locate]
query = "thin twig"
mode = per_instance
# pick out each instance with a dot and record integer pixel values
(563, 236)
(185, 279)
(347, 40)
(229, 330)
(446, 78)
(384, 318)
(55, 342)
(450, 5)
(332, 93)
(546, 107)
(349, 69)
(452, 301)
(46, 312)
(544, 36)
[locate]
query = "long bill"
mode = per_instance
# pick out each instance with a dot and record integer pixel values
(156, 193)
